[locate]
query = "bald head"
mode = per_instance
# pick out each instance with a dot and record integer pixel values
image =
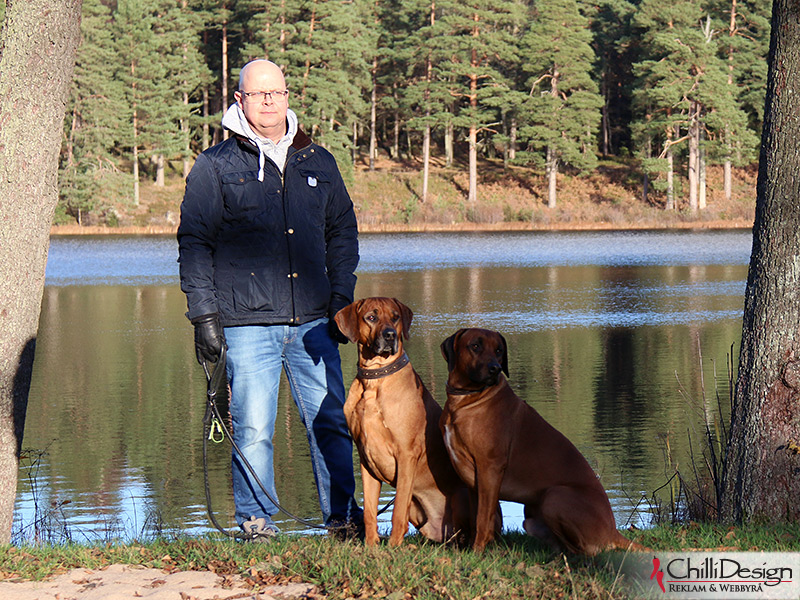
(261, 68)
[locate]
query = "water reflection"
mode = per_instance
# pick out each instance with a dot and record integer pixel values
(599, 348)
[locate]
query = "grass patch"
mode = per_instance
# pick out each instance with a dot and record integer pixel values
(514, 567)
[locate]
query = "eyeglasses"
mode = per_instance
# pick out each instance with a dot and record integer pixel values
(264, 96)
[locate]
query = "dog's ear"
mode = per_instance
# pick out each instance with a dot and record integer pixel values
(448, 348)
(504, 362)
(347, 320)
(405, 316)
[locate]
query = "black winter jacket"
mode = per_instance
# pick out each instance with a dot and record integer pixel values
(279, 251)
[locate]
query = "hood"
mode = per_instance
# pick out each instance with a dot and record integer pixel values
(235, 121)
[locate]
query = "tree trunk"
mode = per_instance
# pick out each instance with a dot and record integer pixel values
(160, 170)
(354, 152)
(670, 181)
(648, 152)
(761, 479)
(282, 36)
(727, 175)
(206, 141)
(701, 174)
(426, 161)
(307, 70)
(506, 145)
(426, 139)
(135, 158)
(373, 116)
(551, 160)
(694, 147)
(551, 172)
(187, 139)
(512, 142)
(449, 137)
(472, 193)
(605, 126)
(39, 41)
(396, 135)
(670, 155)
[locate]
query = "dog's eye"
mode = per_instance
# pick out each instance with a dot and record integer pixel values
(371, 318)
(475, 347)
(499, 351)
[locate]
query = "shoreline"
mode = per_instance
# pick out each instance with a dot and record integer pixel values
(57, 230)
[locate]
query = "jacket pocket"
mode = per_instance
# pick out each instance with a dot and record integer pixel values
(242, 193)
(315, 188)
(253, 290)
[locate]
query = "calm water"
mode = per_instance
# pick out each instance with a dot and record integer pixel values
(608, 335)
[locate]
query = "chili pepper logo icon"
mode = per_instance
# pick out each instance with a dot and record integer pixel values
(658, 573)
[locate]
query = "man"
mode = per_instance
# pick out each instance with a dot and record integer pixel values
(268, 249)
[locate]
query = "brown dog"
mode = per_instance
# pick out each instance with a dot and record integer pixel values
(504, 449)
(394, 421)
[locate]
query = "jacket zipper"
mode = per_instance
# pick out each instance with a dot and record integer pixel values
(288, 231)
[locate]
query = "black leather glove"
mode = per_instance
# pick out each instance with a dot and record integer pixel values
(336, 304)
(208, 338)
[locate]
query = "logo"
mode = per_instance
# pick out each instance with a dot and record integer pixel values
(658, 573)
(724, 575)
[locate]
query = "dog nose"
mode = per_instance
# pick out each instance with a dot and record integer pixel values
(389, 335)
(494, 368)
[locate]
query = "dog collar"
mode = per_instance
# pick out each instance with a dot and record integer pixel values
(454, 391)
(393, 367)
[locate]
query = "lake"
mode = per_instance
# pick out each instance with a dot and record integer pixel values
(619, 339)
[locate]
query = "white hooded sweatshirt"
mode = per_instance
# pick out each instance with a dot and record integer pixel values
(235, 121)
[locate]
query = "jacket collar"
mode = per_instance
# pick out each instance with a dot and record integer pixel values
(300, 141)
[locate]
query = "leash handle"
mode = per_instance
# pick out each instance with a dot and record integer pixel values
(215, 379)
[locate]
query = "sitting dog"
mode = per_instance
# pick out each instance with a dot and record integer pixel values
(394, 421)
(504, 449)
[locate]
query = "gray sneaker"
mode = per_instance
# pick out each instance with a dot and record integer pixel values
(257, 531)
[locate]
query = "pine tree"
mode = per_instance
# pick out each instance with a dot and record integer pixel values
(326, 54)
(142, 72)
(684, 94)
(669, 35)
(615, 48)
(425, 94)
(743, 44)
(90, 175)
(177, 30)
(564, 104)
(399, 67)
(477, 38)
(269, 28)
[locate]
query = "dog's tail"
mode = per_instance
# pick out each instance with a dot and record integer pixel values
(620, 542)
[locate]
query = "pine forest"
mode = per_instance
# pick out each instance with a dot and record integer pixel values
(557, 87)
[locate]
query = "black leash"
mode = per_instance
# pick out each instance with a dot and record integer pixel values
(214, 429)
(214, 426)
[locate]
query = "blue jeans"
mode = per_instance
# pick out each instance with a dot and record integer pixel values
(256, 355)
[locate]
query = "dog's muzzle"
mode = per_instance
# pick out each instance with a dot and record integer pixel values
(386, 342)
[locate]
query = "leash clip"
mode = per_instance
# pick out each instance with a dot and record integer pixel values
(216, 433)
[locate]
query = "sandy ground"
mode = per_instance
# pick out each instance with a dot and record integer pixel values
(122, 582)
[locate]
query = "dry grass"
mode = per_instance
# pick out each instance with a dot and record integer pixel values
(389, 199)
